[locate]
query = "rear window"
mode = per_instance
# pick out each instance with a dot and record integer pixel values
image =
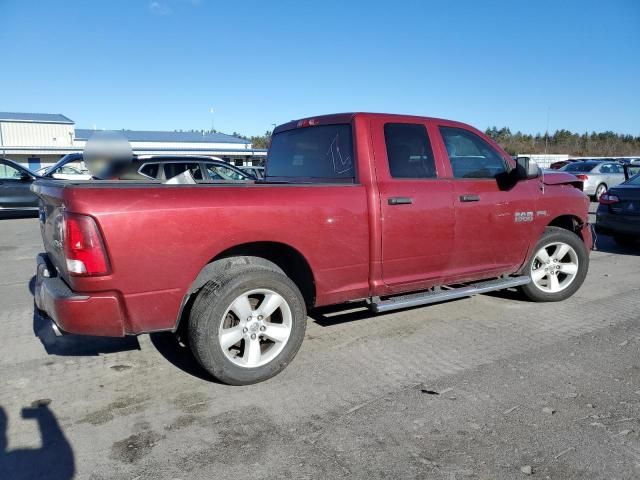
(323, 153)
(579, 167)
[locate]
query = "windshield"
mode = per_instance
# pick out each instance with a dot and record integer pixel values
(221, 172)
(321, 153)
(635, 180)
(579, 167)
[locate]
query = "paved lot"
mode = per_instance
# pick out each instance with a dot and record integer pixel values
(359, 400)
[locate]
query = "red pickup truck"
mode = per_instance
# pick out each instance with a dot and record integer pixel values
(395, 210)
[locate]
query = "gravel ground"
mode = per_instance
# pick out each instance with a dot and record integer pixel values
(489, 387)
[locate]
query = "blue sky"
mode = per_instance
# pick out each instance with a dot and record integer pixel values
(162, 64)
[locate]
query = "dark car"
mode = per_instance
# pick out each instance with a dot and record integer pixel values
(562, 163)
(618, 213)
(202, 169)
(15, 187)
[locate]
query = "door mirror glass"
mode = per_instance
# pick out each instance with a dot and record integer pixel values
(527, 168)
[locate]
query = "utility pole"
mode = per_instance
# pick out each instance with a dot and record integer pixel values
(211, 112)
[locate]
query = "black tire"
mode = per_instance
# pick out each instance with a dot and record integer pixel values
(625, 240)
(552, 235)
(209, 309)
(598, 188)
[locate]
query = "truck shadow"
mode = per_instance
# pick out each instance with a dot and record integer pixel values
(53, 460)
(179, 355)
(78, 345)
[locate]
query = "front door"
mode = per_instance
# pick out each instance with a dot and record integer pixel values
(416, 206)
(494, 213)
(15, 191)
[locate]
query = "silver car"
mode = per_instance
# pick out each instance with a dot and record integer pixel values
(597, 176)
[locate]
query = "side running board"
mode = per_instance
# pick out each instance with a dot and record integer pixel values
(424, 298)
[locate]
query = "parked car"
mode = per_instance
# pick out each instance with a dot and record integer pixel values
(15, 187)
(396, 210)
(64, 172)
(597, 176)
(202, 169)
(618, 211)
(562, 163)
(60, 169)
(257, 172)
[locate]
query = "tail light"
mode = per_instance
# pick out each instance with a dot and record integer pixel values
(584, 178)
(83, 247)
(608, 198)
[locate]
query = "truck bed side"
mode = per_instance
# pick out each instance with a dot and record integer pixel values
(159, 237)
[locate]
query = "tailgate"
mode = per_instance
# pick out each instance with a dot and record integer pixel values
(51, 194)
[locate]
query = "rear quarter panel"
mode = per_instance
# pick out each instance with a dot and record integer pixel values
(159, 238)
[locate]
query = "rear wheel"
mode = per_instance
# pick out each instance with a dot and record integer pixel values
(600, 190)
(557, 267)
(247, 325)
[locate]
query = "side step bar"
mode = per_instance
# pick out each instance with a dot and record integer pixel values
(424, 298)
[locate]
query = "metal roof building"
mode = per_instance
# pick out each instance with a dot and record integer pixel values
(41, 139)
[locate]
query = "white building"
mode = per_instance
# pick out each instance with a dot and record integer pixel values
(40, 139)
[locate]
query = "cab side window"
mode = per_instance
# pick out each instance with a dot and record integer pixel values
(470, 155)
(409, 151)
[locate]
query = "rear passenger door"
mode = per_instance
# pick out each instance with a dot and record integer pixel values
(416, 206)
(493, 213)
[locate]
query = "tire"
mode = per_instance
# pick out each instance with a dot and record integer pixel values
(600, 189)
(625, 240)
(549, 282)
(213, 317)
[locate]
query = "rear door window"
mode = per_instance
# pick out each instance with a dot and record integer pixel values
(318, 154)
(409, 151)
(470, 155)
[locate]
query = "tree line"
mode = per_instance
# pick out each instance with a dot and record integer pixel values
(604, 144)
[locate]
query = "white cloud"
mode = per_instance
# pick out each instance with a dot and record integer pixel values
(159, 8)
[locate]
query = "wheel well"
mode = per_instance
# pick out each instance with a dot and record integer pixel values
(290, 260)
(568, 222)
(292, 263)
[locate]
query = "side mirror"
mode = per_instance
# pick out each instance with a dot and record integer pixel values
(527, 168)
(25, 177)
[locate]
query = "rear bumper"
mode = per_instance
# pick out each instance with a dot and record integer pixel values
(97, 314)
(615, 224)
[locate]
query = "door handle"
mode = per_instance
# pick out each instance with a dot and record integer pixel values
(400, 200)
(469, 198)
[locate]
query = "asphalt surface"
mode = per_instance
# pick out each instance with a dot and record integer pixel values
(490, 387)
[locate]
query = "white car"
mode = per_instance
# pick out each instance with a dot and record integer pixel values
(65, 172)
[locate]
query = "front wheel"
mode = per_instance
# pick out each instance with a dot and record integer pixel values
(247, 325)
(558, 266)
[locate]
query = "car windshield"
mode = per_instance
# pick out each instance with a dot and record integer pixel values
(222, 172)
(579, 167)
(635, 180)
